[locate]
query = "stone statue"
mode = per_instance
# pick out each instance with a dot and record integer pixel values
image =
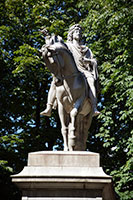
(85, 63)
(74, 86)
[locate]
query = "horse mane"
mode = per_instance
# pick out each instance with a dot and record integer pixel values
(61, 45)
(56, 39)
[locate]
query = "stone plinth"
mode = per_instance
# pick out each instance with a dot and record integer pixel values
(58, 175)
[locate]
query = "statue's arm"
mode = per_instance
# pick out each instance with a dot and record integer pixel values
(88, 58)
(91, 62)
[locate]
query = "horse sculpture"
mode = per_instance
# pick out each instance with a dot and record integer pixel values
(74, 106)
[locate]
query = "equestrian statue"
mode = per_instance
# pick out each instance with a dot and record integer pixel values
(74, 86)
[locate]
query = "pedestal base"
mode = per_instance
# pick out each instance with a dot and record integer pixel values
(57, 175)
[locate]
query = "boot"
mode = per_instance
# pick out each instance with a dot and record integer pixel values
(47, 111)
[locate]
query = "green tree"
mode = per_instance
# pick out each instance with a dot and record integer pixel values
(25, 81)
(109, 24)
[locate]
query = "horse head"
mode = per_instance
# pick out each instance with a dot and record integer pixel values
(51, 53)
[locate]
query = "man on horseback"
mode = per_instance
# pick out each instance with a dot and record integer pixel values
(85, 63)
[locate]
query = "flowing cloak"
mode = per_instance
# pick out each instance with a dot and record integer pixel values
(79, 53)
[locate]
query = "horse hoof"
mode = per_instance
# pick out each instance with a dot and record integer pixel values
(66, 149)
(72, 141)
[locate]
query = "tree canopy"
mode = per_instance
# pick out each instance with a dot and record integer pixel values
(25, 81)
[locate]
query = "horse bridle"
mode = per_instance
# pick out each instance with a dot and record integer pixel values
(64, 76)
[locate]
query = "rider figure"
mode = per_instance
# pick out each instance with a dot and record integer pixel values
(85, 63)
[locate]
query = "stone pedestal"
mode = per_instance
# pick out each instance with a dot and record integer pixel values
(58, 175)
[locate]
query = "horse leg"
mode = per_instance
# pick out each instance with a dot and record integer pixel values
(64, 128)
(72, 136)
(73, 115)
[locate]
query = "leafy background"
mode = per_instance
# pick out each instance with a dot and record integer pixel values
(25, 81)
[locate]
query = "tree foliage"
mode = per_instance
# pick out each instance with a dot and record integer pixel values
(25, 81)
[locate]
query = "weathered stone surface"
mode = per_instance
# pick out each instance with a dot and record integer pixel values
(63, 159)
(64, 175)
